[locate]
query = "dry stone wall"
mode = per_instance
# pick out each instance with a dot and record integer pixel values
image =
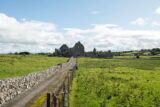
(11, 87)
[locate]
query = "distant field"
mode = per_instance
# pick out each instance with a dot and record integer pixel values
(116, 83)
(129, 53)
(18, 65)
(134, 57)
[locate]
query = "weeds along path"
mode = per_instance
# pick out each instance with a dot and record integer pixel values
(29, 97)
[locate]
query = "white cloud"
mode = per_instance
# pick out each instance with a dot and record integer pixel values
(105, 25)
(95, 12)
(139, 21)
(27, 35)
(157, 11)
(23, 19)
(154, 23)
(115, 38)
(35, 36)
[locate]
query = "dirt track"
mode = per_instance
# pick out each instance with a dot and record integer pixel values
(25, 99)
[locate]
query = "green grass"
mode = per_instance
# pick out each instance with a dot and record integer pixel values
(18, 65)
(129, 53)
(134, 57)
(116, 83)
(38, 102)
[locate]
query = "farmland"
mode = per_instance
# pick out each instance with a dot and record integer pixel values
(18, 65)
(116, 83)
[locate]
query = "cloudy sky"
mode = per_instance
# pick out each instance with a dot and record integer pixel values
(43, 25)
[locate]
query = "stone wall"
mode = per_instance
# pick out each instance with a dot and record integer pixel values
(11, 87)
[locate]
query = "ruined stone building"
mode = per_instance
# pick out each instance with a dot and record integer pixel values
(77, 50)
(64, 50)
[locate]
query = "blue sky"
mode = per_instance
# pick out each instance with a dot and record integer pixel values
(77, 13)
(74, 19)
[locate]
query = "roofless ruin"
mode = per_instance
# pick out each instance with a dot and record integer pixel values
(78, 50)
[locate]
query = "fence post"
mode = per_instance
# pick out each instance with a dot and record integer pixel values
(59, 102)
(68, 85)
(63, 99)
(71, 77)
(64, 87)
(76, 66)
(63, 95)
(68, 91)
(48, 99)
(54, 100)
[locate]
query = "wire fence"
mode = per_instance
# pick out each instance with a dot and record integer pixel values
(61, 95)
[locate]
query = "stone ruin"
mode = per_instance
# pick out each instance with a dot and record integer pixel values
(77, 50)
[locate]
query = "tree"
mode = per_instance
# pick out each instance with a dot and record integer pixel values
(137, 56)
(24, 53)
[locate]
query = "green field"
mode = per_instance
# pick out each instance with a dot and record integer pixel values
(116, 83)
(18, 65)
(141, 57)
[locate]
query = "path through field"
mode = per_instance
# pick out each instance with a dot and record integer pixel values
(28, 98)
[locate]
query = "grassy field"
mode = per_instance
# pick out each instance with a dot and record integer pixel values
(134, 57)
(18, 65)
(116, 83)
